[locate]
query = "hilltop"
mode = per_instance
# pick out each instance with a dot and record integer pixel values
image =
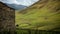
(44, 15)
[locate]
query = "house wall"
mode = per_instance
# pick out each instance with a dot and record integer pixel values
(7, 18)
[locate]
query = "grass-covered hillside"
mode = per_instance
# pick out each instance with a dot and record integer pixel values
(44, 15)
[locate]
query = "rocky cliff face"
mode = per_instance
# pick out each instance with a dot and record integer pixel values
(7, 18)
(46, 13)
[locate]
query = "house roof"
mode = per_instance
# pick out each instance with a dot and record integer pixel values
(6, 5)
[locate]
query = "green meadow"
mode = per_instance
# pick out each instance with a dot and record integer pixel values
(43, 15)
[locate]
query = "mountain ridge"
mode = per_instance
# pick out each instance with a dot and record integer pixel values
(16, 7)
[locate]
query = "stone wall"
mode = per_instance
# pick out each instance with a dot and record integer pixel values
(7, 18)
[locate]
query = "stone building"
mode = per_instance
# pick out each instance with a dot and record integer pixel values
(7, 18)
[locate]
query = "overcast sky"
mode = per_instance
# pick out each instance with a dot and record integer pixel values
(20, 2)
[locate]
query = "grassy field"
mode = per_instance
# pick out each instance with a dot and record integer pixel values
(31, 31)
(43, 15)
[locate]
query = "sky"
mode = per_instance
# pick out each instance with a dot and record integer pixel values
(20, 2)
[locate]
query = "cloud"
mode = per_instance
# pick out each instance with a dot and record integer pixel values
(27, 2)
(10, 1)
(20, 2)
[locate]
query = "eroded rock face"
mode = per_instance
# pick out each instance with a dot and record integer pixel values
(7, 18)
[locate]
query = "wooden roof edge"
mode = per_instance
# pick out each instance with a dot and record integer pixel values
(6, 5)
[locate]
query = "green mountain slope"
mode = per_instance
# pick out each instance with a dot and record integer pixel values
(44, 15)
